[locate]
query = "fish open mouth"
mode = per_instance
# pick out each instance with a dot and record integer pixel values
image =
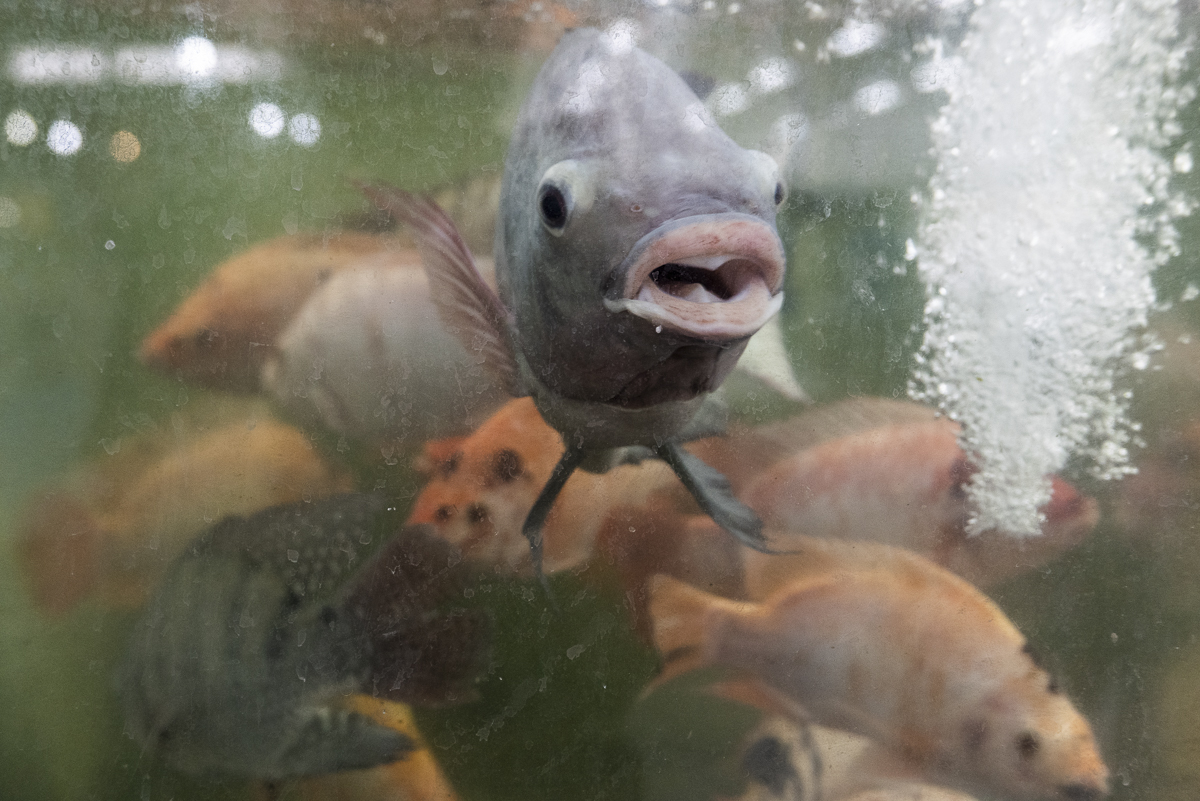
(712, 277)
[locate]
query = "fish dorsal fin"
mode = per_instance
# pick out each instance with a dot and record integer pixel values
(469, 308)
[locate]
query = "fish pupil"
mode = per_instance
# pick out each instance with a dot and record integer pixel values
(778, 193)
(553, 207)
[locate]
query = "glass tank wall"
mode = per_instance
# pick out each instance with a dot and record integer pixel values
(266, 492)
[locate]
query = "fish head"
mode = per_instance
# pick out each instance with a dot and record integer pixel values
(637, 246)
(1030, 742)
(479, 495)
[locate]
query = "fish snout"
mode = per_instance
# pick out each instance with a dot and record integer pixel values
(714, 277)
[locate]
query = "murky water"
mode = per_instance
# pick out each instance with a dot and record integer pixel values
(989, 206)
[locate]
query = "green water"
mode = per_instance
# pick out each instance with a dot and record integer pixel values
(103, 251)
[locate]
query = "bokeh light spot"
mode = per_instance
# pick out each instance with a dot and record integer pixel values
(124, 147)
(304, 129)
(20, 128)
(64, 138)
(10, 212)
(267, 120)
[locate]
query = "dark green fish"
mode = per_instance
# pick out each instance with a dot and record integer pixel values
(237, 664)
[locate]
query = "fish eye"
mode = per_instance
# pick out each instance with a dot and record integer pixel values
(780, 194)
(552, 204)
(506, 465)
(1028, 745)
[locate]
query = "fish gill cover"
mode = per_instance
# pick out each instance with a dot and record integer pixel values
(1050, 209)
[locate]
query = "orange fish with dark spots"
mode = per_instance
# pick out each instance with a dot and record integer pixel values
(483, 486)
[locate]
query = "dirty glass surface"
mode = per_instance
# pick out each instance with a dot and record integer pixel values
(208, 309)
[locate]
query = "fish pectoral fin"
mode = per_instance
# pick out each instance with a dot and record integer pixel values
(713, 493)
(468, 307)
(328, 740)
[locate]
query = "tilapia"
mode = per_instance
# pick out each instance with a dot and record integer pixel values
(884, 643)
(240, 663)
(115, 531)
(366, 356)
(905, 484)
(482, 487)
(636, 254)
(222, 333)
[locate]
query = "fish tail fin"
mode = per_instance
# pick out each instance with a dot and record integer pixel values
(59, 547)
(425, 647)
(681, 617)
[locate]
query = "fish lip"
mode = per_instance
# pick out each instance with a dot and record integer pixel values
(742, 253)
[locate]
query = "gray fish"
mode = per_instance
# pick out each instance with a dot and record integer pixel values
(636, 254)
(238, 663)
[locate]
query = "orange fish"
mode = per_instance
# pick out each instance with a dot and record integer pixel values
(904, 484)
(884, 643)
(483, 486)
(118, 532)
(416, 777)
(223, 332)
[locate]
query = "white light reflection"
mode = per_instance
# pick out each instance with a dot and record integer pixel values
(855, 37)
(267, 120)
(304, 129)
(20, 128)
(771, 76)
(877, 98)
(64, 138)
(196, 59)
(622, 35)
(193, 60)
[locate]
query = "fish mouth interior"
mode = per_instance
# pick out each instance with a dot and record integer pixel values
(715, 278)
(710, 279)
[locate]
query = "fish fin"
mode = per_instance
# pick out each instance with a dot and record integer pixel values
(328, 740)
(754, 692)
(681, 616)
(59, 548)
(469, 308)
(766, 359)
(425, 648)
(714, 494)
(536, 519)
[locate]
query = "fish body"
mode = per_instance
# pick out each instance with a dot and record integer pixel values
(240, 663)
(884, 643)
(905, 484)
(482, 488)
(367, 357)
(636, 253)
(221, 335)
(130, 516)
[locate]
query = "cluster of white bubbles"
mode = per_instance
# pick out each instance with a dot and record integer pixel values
(268, 120)
(1050, 209)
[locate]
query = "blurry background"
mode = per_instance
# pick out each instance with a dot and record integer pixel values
(146, 142)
